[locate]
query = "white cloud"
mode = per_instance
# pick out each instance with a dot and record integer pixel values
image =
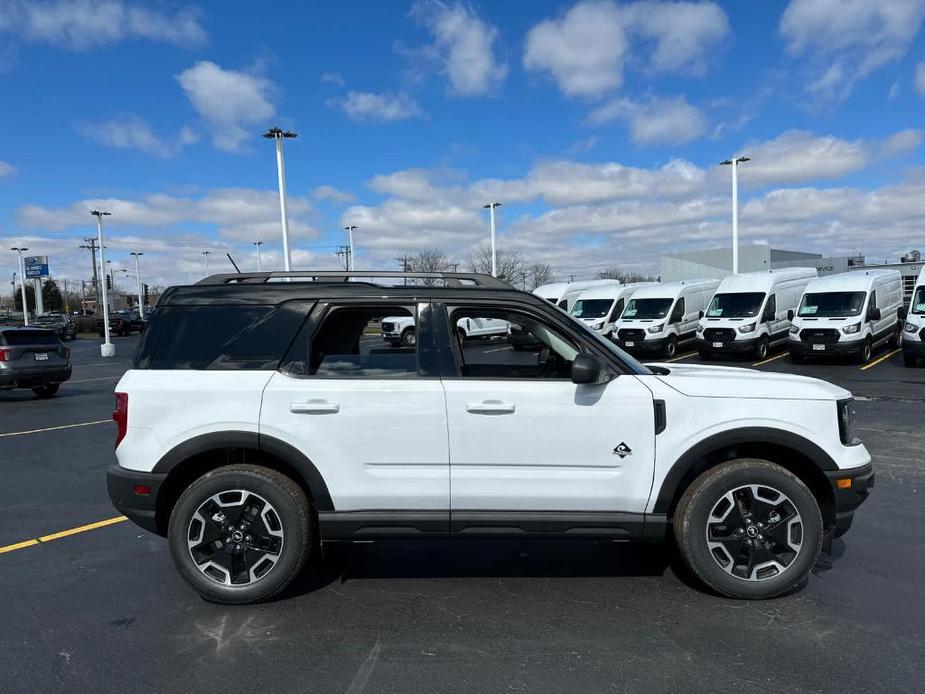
(464, 45)
(654, 121)
(846, 40)
(902, 143)
(331, 194)
(334, 78)
(7, 169)
(233, 103)
(920, 78)
(85, 24)
(132, 132)
(584, 49)
(384, 107)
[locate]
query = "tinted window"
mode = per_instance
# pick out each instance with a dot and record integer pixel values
(220, 337)
(918, 301)
(678, 313)
(739, 305)
(351, 343)
(20, 338)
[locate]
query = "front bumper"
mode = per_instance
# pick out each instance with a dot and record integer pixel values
(31, 378)
(141, 509)
(913, 349)
(746, 345)
(807, 348)
(860, 482)
(651, 345)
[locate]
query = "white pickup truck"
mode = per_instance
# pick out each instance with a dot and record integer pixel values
(400, 330)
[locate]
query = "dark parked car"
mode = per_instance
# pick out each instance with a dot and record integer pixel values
(61, 324)
(33, 358)
(121, 323)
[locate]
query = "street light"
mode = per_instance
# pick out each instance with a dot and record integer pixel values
(205, 254)
(141, 308)
(734, 163)
(258, 244)
(350, 230)
(22, 286)
(107, 349)
(279, 136)
(494, 257)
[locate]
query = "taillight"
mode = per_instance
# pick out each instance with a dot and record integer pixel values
(4, 354)
(120, 416)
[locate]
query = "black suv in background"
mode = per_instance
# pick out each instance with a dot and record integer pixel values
(65, 328)
(121, 323)
(33, 358)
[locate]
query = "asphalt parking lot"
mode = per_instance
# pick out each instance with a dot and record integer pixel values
(103, 610)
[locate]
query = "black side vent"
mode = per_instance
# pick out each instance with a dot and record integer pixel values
(661, 417)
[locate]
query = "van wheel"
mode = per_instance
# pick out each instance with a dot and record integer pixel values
(761, 350)
(46, 391)
(749, 529)
(671, 346)
(866, 351)
(240, 534)
(910, 360)
(409, 338)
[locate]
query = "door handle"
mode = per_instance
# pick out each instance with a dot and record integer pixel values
(314, 407)
(490, 407)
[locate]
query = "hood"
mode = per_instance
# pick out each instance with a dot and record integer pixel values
(733, 382)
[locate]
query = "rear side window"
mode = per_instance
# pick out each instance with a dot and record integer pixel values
(220, 337)
(22, 338)
(365, 342)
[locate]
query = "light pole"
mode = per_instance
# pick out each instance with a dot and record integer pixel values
(494, 256)
(107, 349)
(22, 286)
(258, 244)
(350, 231)
(141, 308)
(205, 254)
(279, 136)
(734, 163)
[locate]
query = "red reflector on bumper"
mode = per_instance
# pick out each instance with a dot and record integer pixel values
(142, 489)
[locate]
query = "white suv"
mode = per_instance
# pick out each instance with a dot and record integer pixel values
(250, 431)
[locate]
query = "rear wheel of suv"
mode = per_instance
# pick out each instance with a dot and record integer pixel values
(240, 534)
(749, 529)
(409, 338)
(46, 391)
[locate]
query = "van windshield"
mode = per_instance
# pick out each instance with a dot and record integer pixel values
(918, 301)
(591, 308)
(647, 308)
(743, 305)
(832, 304)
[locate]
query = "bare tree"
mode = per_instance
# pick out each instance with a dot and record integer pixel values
(431, 260)
(625, 276)
(511, 266)
(538, 274)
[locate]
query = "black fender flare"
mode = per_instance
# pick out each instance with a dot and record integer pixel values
(252, 441)
(736, 437)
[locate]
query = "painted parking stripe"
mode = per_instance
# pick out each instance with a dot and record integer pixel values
(91, 380)
(63, 533)
(881, 359)
(57, 428)
(768, 361)
(683, 356)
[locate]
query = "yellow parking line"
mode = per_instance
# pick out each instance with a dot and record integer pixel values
(768, 361)
(63, 533)
(683, 356)
(63, 426)
(881, 359)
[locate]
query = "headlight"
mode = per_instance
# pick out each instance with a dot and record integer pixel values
(846, 423)
(699, 328)
(850, 329)
(911, 327)
(656, 328)
(794, 330)
(750, 328)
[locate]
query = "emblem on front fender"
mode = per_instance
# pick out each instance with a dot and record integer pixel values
(623, 450)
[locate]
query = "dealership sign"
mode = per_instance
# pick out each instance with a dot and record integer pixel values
(36, 266)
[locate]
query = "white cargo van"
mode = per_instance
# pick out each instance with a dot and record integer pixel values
(914, 334)
(848, 313)
(749, 312)
(574, 290)
(599, 307)
(551, 292)
(661, 317)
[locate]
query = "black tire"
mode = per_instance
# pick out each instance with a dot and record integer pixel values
(46, 391)
(866, 352)
(761, 349)
(671, 346)
(409, 338)
(706, 494)
(910, 360)
(291, 511)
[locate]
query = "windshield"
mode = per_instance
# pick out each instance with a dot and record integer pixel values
(591, 308)
(743, 305)
(918, 301)
(647, 308)
(832, 304)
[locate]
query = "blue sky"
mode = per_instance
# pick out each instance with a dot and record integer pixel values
(597, 124)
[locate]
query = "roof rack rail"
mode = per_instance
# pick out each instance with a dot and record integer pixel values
(446, 279)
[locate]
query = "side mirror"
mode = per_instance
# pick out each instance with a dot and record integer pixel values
(586, 369)
(903, 313)
(873, 313)
(701, 314)
(790, 314)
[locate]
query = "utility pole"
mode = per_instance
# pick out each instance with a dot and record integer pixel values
(90, 245)
(494, 256)
(22, 286)
(141, 308)
(343, 252)
(405, 261)
(734, 163)
(258, 244)
(279, 135)
(205, 254)
(350, 230)
(107, 349)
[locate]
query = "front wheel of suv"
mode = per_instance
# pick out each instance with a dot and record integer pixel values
(240, 534)
(749, 529)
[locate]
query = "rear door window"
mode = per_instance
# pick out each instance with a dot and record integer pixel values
(353, 342)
